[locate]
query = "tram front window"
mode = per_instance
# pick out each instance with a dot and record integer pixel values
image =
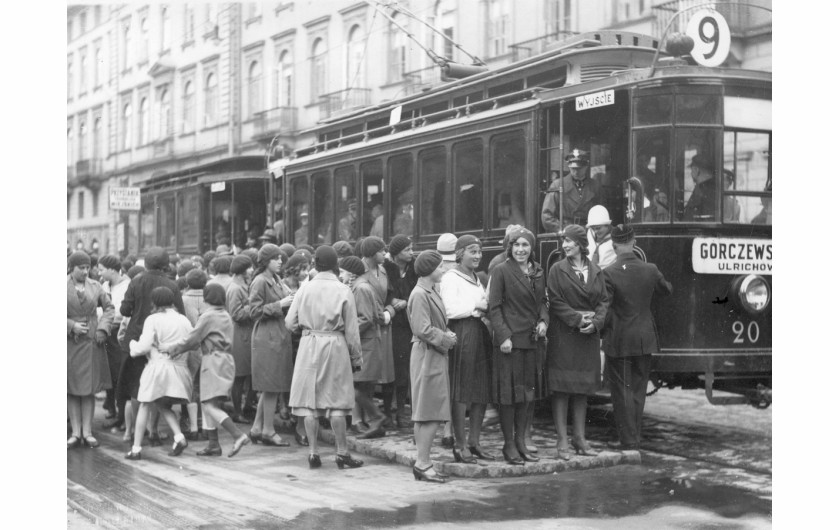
(652, 168)
(747, 179)
(697, 181)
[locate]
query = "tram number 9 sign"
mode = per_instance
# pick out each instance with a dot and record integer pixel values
(711, 37)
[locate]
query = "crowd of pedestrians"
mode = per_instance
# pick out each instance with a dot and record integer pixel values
(309, 334)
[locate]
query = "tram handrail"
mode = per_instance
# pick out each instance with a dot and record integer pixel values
(678, 13)
(409, 123)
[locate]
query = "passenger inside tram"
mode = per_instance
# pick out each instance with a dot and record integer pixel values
(301, 234)
(701, 203)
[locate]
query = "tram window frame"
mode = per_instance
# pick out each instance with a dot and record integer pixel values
(344, 203)
(682, 171)
(148, 223)
(166, 232)
(497, 142)
(372, 173)
(322, 211)
(464, 158)
(189, 228)
(752, 204)
(658, 208)
(400, 192)
(441, 206)
(298, 205)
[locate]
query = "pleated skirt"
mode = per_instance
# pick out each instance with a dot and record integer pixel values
(519, 376)
(471, 362)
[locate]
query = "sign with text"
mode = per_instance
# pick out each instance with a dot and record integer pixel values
(712, 255)
(124, 198)
(217, 186)
(598, 99)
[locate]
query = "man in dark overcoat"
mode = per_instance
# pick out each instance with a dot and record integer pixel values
(629, 336)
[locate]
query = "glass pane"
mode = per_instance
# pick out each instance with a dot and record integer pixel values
(435, 196)
(508, 172)
(223, 215)
(754, 210)
(401, 191)
(747, 156)
(188, 205)
(697, 182)
(322, 208)
(251, 210)
(653, 149)
(373, 186)
(166, 222)
(701, 108)
(469, 186)
(653, 110)
(147, 224)
(345, 203)
(279, 207)
(300, 207)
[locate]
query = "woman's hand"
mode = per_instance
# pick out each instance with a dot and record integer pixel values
(286, 302)
(101, 337)
(481, 305)
(398, 304)
(449, 339)
(588, 328)
(507, 346)
(80, 328)
(542, 329)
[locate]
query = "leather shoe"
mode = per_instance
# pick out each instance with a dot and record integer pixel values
(91, 442)
(133, 456)
(178, 448)
(514, 461)
(429, 474)
(210, 451)
(528, 457)
(301, 440)
(73, 442)
(461, 459)
(239, 418)
(240, 442)
(274, 440)
(478, 454)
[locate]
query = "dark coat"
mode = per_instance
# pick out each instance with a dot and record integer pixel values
(630, 284)
(271, 342)
(243, 326)
(137, 302)
(516, 303)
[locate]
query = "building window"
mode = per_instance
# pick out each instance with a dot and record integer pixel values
(97, 15)
(254, 85)
(144, 40)
(69, 30)
(94, 203)
(189, 108)
(81, 204)
(211, 100)
(143, 122)
(498, 27)
(82, 70)
(397, 49)
(82, 140)
(125, 127)
(318, 65)
(82, 23)
(126, 44)
(97, 138)
(189, 23)
(445, 18)
(567, 15)
(98, 66)
(165, 30)
(165, 106)
(70, 77)
(70, 144)
(284, 79)
(355, 74)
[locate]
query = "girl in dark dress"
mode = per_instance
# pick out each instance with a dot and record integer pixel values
(578, 307)
(517, 301)
(401, 281)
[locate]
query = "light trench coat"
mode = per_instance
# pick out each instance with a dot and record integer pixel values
(429, 362)
(324, 311)
(87, 364)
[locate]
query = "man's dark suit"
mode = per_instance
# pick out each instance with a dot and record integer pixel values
(629, 338)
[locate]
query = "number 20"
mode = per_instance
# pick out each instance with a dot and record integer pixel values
(752, 332)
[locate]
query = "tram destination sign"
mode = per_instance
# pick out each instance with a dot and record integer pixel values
(713, 255)
(124, 198)
(597, 99)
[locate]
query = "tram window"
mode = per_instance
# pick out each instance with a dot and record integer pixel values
(147, 224)
(746, 162)
(345, 199)
(250, 212)
(278, 202)
(469, 186)
(401, 191)
(654, 110)
(322, 208)
(223, 215)
(299, 211)
(435, 193)
(652, 167)
(508, 173)
(188, 206)
(698, 108)
(373, 185)
(166, 221)
(697, 183)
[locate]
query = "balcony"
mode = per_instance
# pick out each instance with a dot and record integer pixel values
(85, 173)
(336, 103)
(531, 47)
(743, 20)
(276, 121)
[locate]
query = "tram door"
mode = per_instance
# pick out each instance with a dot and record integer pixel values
(238, 212)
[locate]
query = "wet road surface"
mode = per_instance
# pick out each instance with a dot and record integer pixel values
(691, 476)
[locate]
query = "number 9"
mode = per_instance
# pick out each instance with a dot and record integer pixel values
(714, 39)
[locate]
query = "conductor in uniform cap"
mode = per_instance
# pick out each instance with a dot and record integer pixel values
(580, 193)
(629, 336)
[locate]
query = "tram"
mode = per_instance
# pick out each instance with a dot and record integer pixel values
(477, 154)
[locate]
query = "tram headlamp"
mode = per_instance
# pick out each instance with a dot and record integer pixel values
(754, 293)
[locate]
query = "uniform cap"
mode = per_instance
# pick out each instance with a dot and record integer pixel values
(577, 158)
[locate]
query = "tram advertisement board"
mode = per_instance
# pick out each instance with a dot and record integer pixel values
(124, 198)
(714, 255)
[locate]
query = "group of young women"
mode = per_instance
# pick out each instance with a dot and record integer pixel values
(317, 345)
